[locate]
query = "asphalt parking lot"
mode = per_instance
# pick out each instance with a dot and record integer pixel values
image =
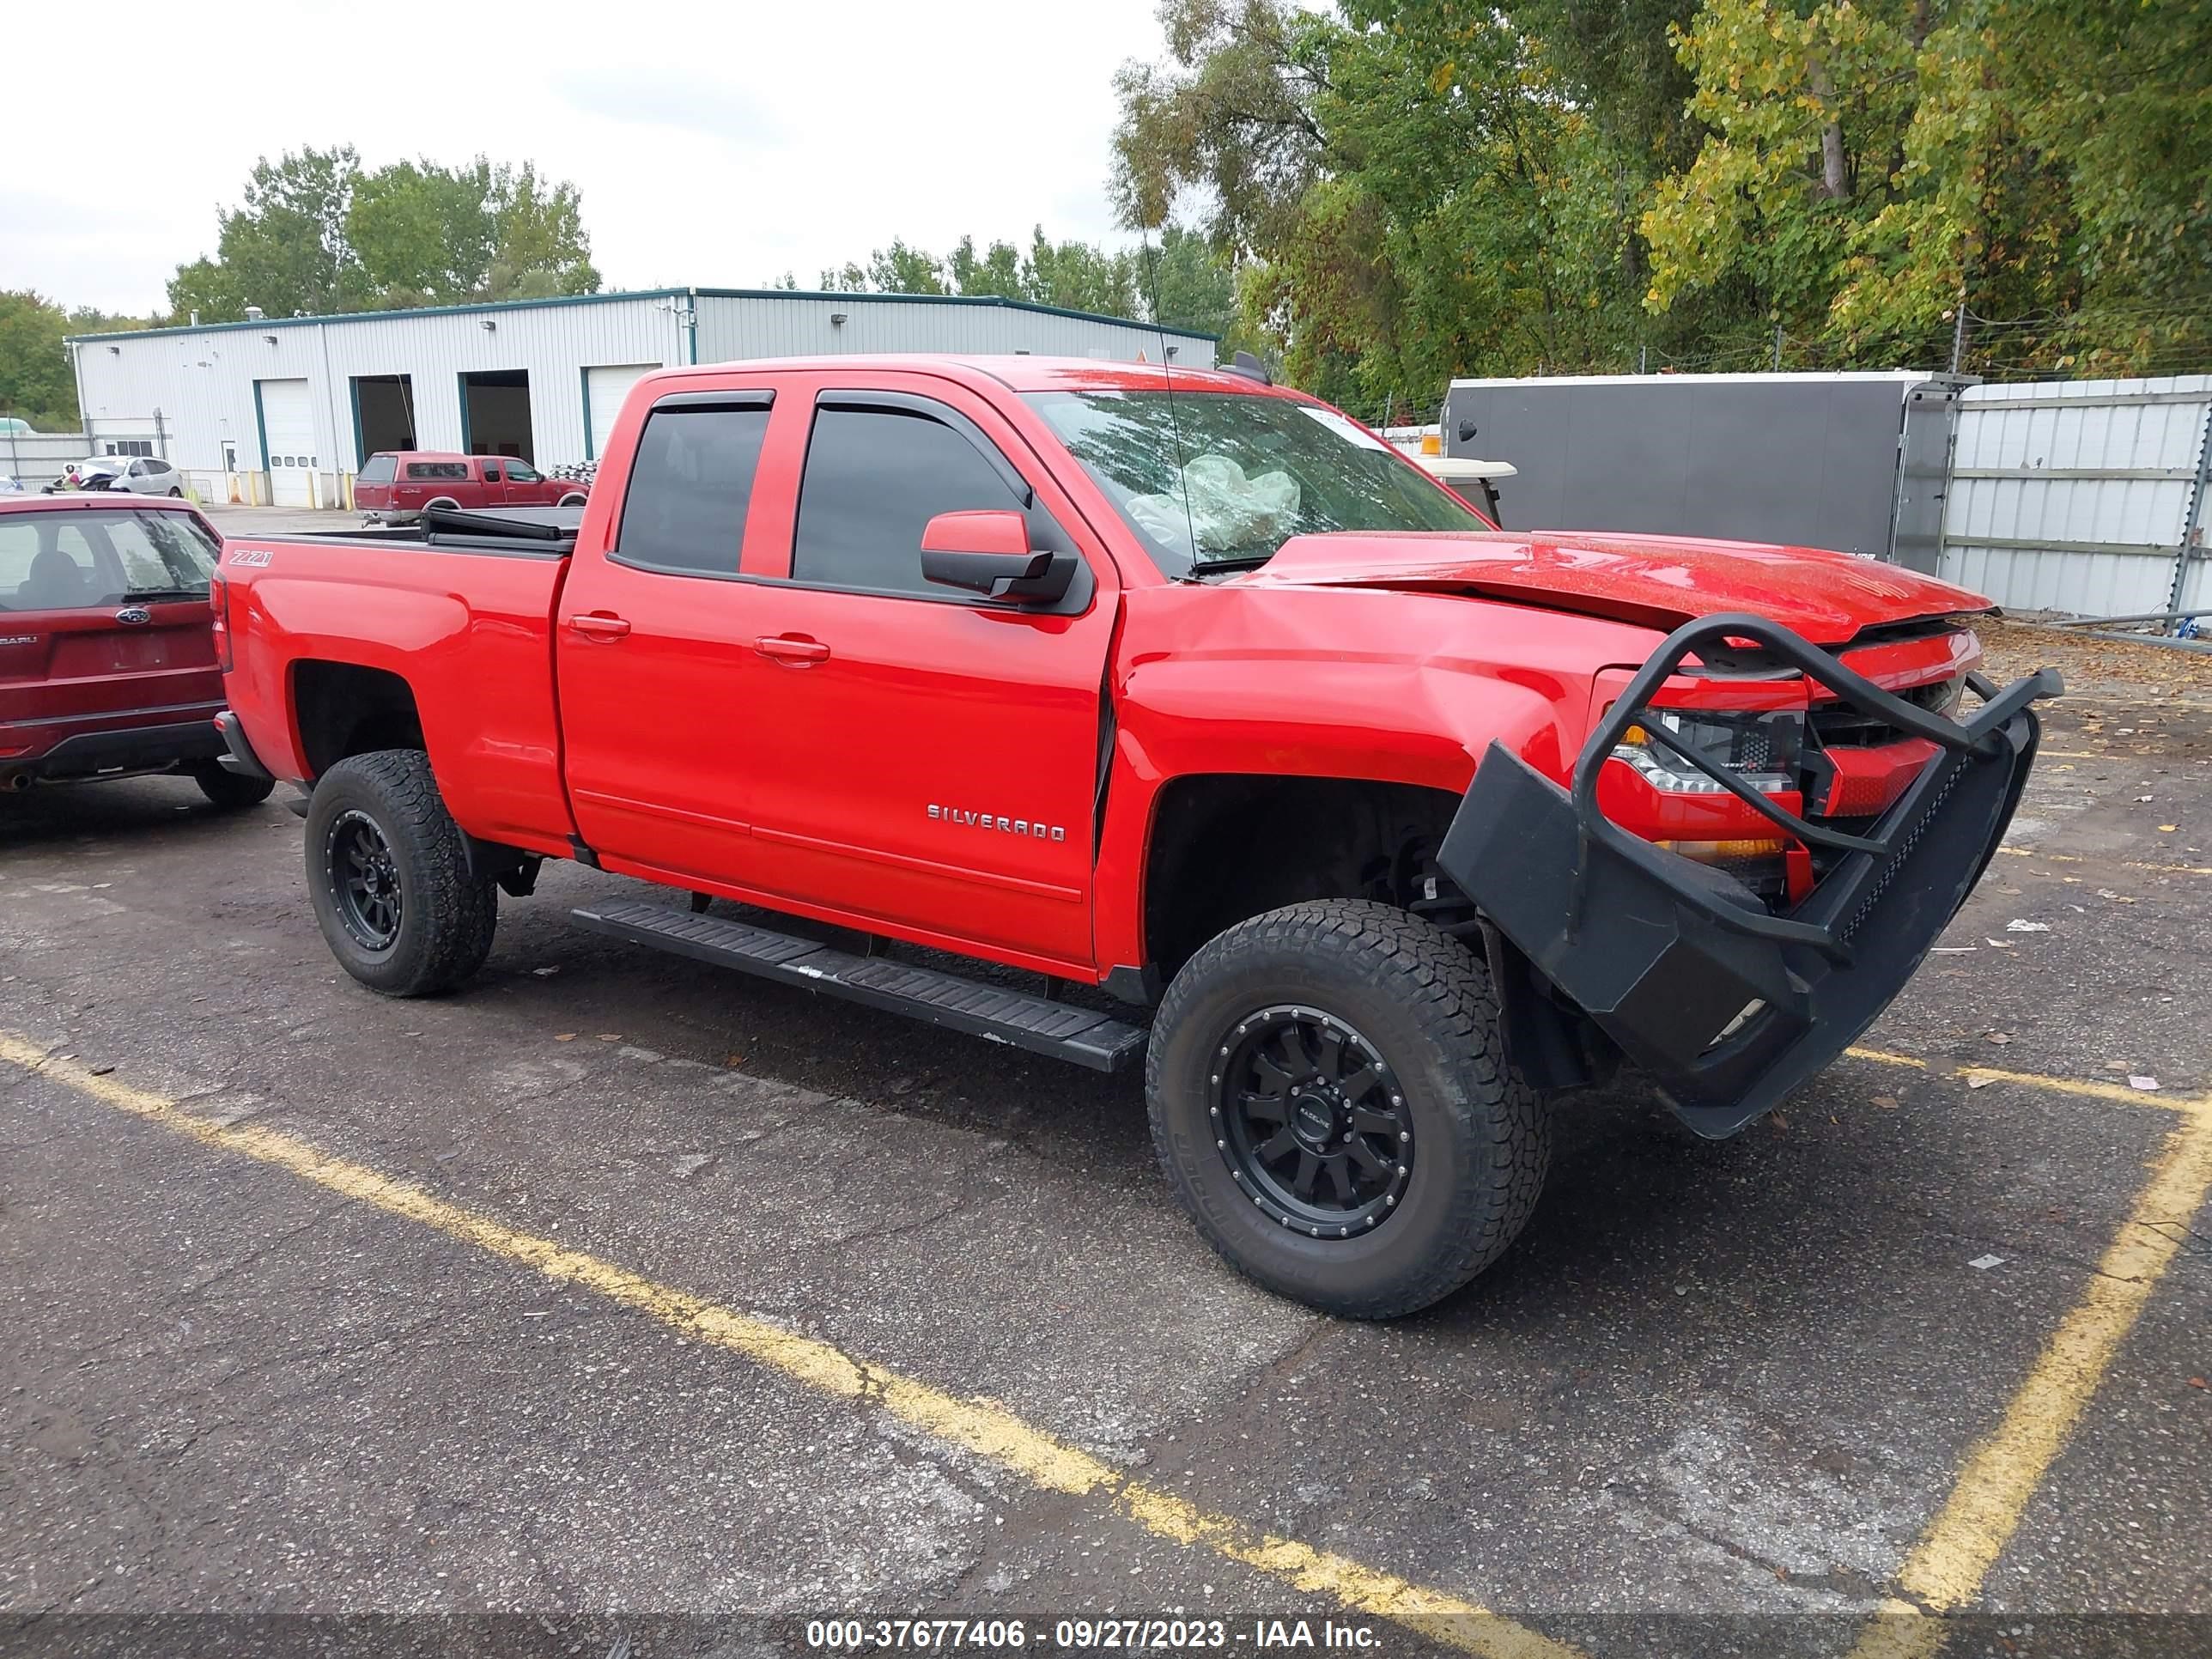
(613, 1288)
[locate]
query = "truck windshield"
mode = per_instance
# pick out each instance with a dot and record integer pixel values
(1217, 481)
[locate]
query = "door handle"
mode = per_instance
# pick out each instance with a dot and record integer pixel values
(793, 648)
(594, 625)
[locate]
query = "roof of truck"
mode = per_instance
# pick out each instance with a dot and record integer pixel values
(1021, 372)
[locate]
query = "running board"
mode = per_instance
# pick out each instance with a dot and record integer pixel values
(1097, 1041)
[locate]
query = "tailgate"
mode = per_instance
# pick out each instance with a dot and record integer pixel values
(66, 671)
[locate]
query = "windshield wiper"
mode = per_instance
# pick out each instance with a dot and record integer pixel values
(1240, 561)
(164, 592)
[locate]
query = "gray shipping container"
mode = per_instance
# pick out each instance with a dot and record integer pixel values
(1853, 462)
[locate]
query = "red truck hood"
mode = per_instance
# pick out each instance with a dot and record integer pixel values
(1661, 581)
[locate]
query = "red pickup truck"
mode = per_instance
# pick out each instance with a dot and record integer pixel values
(1177, 686)
(397, 486)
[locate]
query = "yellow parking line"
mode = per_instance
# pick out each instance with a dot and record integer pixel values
(1946, 1568)
(2116, 864)
(980, 1426)
(2088, 1088)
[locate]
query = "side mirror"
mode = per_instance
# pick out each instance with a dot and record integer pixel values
(988, 552)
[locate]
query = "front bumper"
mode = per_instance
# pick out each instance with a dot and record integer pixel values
(1727, 1005)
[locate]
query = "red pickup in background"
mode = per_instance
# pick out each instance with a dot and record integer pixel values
(395, 486)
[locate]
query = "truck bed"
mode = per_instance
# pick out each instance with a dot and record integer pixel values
(464, 617)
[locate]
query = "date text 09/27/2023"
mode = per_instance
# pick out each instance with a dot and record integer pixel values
(1083, 1635)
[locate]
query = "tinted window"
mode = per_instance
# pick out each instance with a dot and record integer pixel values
(874, 479)
(491, 474)
(521, 472)
(377, 469)
(437, 470)
(690, 489)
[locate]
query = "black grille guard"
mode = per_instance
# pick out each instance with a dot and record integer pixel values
(1728, 1006)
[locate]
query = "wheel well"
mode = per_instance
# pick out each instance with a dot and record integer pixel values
(345, 710)
(1229, 847)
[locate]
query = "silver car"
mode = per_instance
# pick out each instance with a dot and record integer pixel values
(136, 475)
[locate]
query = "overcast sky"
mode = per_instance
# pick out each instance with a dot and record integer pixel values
(715, 144)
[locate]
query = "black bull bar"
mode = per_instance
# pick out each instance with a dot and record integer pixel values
(1727, 1006)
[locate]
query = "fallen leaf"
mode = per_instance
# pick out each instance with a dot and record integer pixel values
(1998, 1036)
(564, 1036)
(545, 973)
(1979, 1081)
(2167, 828)
(2198, 1382)
(611, 1036)
(1999, 943)
(1887, 1103)
(733, 1060)
(1986, 1263)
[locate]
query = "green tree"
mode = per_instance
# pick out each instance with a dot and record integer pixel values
(315, 234)
(538, 233)
(899, 269)
(36, 382)
(286, 249)
(1079, 276)
(1869, 166)
(996, 270)
(1189, 283)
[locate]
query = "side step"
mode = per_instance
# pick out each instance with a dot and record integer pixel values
(1097, 1041)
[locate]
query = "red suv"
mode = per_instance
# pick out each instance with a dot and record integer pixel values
(394, 486)
(107, 655)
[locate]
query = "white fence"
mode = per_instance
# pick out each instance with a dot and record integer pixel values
(2082, 496)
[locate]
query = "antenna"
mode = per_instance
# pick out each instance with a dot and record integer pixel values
(1167, 379)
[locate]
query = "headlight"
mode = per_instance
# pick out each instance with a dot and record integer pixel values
(1761, 749)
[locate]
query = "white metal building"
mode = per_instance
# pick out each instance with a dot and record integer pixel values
(284, 409)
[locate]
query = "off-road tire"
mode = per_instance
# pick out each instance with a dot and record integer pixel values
(1482, 1139)
(229, 790)
(445, 918)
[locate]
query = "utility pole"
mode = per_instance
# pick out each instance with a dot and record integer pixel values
(1643, 359)
(1959, 338)
(1777, 348)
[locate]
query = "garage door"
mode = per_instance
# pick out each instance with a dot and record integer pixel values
(603, 391)
(288, 432)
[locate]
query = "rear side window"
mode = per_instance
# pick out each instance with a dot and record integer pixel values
(690, 490)
(874, 479)
(439, 470)
(377, 469)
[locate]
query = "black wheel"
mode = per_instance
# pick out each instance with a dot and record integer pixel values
(1330, 1097)
(176, 494)
(389, 879)
(229, 790)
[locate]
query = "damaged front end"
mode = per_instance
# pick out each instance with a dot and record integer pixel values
(1730, 993)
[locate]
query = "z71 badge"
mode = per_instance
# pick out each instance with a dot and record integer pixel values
(1005, 826)
(247, 556)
